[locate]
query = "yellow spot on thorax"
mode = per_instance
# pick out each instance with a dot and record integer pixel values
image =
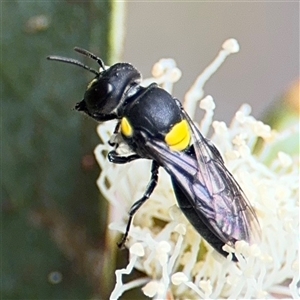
(126, 128)
(179, 136)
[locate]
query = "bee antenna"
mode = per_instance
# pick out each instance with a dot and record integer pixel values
(72, 62)
(91, 55)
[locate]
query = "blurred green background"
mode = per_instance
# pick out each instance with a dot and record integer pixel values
(53, 223)
(52, 216)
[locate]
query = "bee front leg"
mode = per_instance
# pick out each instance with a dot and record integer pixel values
(116, 158)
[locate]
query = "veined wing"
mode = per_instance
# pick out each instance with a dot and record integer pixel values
(209, 187)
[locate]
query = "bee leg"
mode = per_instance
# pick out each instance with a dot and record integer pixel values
(150, 188)
(117, 127)
(115, 158)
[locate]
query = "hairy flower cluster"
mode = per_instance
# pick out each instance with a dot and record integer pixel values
(177, 262)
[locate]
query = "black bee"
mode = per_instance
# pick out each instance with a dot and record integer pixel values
(155, 126)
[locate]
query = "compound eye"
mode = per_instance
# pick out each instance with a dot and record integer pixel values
(99, 89)
(103, 89)
(109, 88)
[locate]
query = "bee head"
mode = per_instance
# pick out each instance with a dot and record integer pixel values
(106, 93)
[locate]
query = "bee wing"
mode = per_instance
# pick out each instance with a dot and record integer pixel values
(210, 188)
(234, 214)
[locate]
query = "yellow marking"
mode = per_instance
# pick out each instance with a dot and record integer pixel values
(179, 136)
(126, 128)
(91, 83)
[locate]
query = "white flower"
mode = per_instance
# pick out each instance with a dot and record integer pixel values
(162, 243)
